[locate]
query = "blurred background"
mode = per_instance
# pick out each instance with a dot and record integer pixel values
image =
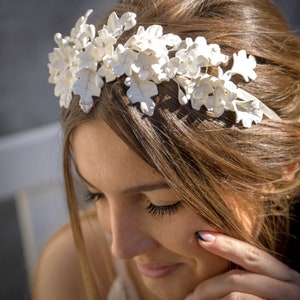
(31, 193)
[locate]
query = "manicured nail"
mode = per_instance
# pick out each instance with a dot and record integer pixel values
(205, 236)
(189, 297)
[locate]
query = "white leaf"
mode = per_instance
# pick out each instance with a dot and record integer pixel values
(141, 92)
(87, 86)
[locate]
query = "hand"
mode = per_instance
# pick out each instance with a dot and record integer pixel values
(262, 277)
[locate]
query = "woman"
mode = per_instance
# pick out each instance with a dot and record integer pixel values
(185, 134)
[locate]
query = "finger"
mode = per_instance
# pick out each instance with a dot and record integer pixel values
(245, 255)
(240, 296)
(230, 296)
(237, 282)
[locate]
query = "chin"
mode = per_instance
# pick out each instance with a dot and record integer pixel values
(168, 289)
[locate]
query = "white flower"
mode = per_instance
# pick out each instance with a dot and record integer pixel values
(63, 88)
(106, 70)
(243, 66)
(187, 59)
(64, 60)
(166, 71)
(142, 65)
(150, 41)
(56, 60)
(192, 58)
(62, 68)
(104, 43)
(87, 85)
(215, 55)
(122, 61)
(208, 54)
(141, 91)
(201, 91)
(187, 66)
(171, 40)
(82, 33)
(148, 66)
(61, 59)
(187, 85)
(247, 112)
(87, 59)
(219, 101)
(119, 64)
(116, 26)
(195, 55)
(99, 48)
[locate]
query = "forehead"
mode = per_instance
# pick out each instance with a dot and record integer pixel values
(102, 158)
(94, 141)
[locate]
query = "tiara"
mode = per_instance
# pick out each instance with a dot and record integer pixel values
(84, 61)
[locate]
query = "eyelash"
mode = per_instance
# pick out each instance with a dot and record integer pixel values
(152, 209)
(92, 197)
(163, 210)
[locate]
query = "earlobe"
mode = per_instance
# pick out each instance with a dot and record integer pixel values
(288, 173)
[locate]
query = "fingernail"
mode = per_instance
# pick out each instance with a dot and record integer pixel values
(205, 236)
(189, 297)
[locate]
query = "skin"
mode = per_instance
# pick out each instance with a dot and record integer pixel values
(262, 277)
(165, 259)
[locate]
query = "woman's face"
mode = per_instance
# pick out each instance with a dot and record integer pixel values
(147, 222)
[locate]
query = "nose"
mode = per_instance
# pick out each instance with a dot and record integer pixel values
(131, 236)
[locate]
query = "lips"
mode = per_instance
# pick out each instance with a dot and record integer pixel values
(157, 270)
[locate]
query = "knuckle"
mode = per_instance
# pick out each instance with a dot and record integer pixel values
(233, 296)
(234, 277)
(252, 256)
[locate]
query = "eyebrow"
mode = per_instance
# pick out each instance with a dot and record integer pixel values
(147, 187)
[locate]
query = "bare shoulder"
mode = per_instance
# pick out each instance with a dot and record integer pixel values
(58, 273)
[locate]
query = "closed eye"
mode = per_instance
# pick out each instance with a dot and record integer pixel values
(93, 197)
(163, 209)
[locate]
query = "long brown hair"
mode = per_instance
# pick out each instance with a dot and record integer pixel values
(204, 158)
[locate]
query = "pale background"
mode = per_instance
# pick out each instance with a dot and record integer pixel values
(27, 101)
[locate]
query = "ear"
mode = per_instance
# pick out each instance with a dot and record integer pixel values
(288, 173)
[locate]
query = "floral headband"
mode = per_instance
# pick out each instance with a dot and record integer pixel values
(84, 62)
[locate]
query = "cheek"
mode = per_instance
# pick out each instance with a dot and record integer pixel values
(177, 233)
(178, 236)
